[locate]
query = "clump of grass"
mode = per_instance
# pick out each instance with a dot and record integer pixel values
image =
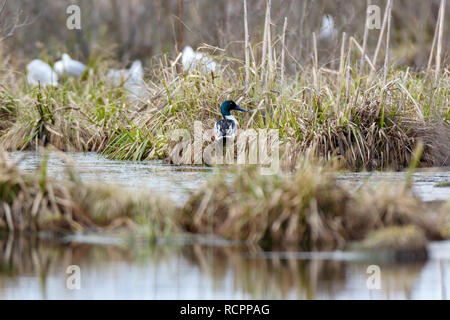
(34, 202)
(7, 109)
(309, 208)
(78, 115)
(403, 238)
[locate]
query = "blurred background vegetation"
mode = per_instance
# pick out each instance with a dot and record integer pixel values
(140, 29)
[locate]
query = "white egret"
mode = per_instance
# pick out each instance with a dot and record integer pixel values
(327, 29)
(135, 81)
(69, 66)
(40, 73)
(132, 79)
(197, 60)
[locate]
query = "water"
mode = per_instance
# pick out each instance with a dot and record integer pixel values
(114, 268)
(424, 181)
(36, 269)
(161, 178)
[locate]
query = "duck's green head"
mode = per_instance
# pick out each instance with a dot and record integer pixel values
(229, 105)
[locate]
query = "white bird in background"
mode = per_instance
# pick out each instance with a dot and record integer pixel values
(136, 73)
(197, 60)
(40, 73)
(132, 79)
(135, 81)
(327, 29)
(68, 66)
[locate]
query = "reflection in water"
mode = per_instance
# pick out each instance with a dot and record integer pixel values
(33, 268)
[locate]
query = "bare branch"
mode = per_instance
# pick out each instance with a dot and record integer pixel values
(3, 7)
(7, 30)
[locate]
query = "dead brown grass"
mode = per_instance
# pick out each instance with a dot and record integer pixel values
(34, 202)
(309, 208)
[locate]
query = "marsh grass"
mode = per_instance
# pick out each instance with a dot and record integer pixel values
(309, 209)
(377, 129)
(7, 109)
(368, 118)
(36, 202)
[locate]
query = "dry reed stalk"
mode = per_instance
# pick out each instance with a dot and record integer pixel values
(347, 70)
(380, 38)
(341, 71)
(388, 37)
(247, 49)
(366, 34)
(302, 22)
(264, 48)
(316, 63)
(358, 46)
(180, 23)
(419, 112)
(436, 31)
(158, 9)
(439, 43)
(269, 39)
(283, 51)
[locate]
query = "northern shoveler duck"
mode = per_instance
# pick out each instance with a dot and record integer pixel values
(226, 127)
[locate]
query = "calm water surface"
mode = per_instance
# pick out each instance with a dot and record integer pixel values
(178, 181)
(36, 269)
(113, 268)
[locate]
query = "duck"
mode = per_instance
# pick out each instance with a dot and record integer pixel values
(69, 66)
(197, 60)
(226, 127)
(40, 73)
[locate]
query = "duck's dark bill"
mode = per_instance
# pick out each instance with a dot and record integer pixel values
(240, 109)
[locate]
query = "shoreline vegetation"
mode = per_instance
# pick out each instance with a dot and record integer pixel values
(309, 210)
(365, 124)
